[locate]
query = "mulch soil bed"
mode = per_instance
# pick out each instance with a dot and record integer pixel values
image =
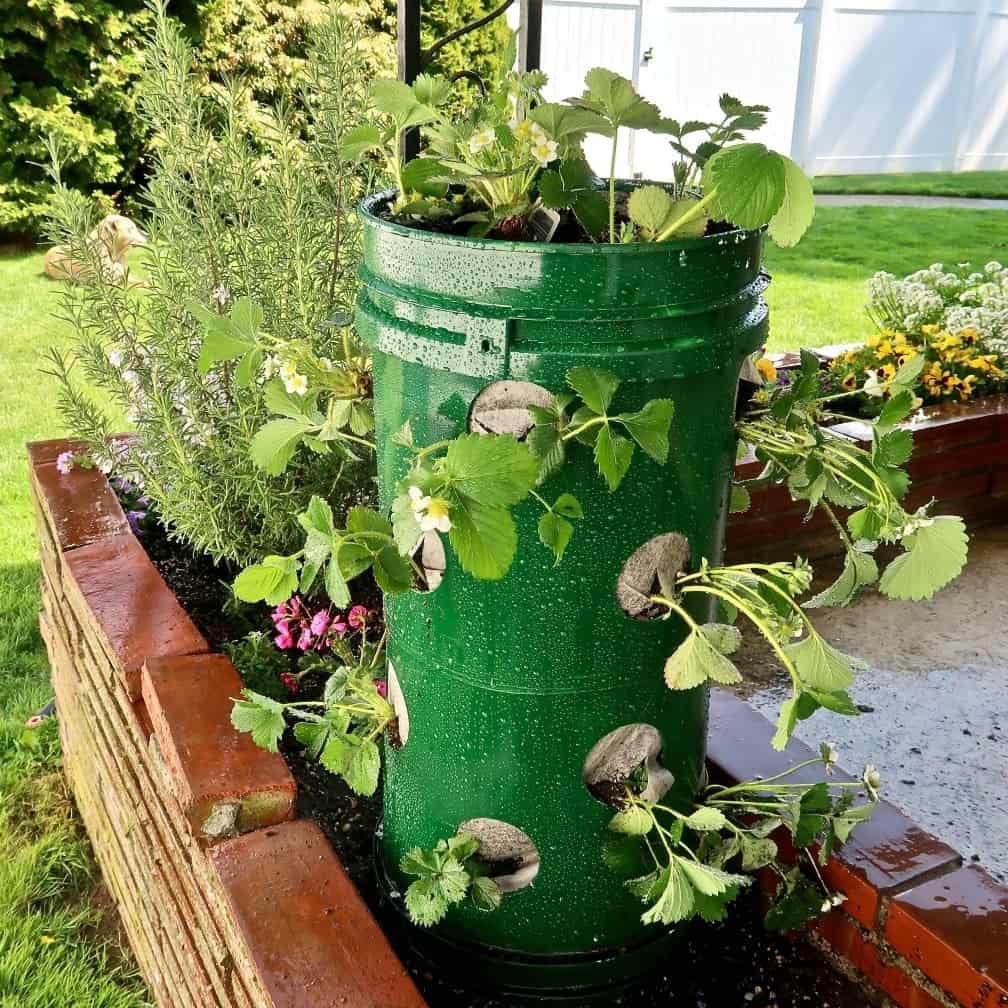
(736, 963)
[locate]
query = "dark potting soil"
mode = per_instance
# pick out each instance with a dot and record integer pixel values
(735, 964)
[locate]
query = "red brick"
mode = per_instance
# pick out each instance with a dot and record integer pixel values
(846, 939)
(955, 929)
(133, 611)
(79, 506)
(887, 853)
(189, 700)
(314, 942)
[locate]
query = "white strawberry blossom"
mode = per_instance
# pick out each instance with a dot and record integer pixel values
(544, 150)
(481, 139)
(431, 512)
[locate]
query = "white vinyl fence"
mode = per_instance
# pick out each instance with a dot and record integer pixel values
(880, 86)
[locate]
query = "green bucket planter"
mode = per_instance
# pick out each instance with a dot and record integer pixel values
(509, 685)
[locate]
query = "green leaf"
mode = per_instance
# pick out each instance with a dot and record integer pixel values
(432, 89)
(710, 881)
(757, 852)
(649, 427)
(739, 501)
(566, 124)
(859, 571)
(725, 637)
(796, 709)
(569, 506)
(274, 444)
(935, 554)
(839, 701)
(632, 821)
(819, 664)
(362, 519)
(335, 585)
(674, 901)
(248, 368)
(425, 902)
(624, 855)
(318, 516)
(336, 754)
(399, 101)
(491, 469)
(426, 176)
(865, 524)
(261, 717)
(272, 581)
(706, 819)
(405, 526)
(750, 181)
(279, 400)
(485, 894)
(359, 141)
(484, 538)
(614, 97)
(895, 410)
(649, 207)
(555, 533)
(613, 453)
(695, 661)
(361, 773)
(798, 901)
(894, 448)
(595, 386)
(392, 571)
(797, 209)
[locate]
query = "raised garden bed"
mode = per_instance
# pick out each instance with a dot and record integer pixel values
(960, 457)
(229, 900)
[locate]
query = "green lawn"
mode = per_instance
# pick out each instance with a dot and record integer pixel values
(990, 184)
(817, 295)
(52, 950)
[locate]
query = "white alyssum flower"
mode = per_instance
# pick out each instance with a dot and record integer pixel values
(432, 512)
(221, 295)
(482, 139)
(270, 367)
(544, 150)
(116, 358)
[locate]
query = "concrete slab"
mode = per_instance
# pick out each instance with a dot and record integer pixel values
(921, 202)
(936, 701)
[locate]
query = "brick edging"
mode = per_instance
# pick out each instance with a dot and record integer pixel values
(960, 458)
(228, 903)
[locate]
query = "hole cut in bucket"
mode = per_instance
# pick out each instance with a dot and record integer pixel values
(502, 408)
(431, 558)
(508, 853)
(652, 570)
(399, 730)
(628, 757)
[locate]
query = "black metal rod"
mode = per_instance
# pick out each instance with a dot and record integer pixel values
(530, 35)
(428, 54)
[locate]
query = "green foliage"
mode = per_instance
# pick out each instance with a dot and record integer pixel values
(259, 663)
(251, 252)
(444, 875)
(70, 71)
(680, 859)
(340, 731)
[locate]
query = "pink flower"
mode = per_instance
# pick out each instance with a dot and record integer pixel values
(280, 613)
(320, 623)
(64, 462)
(283, 641)
(358, 617)
(289, 681)
(283, 627)
(339, 628)
(382, 688)
(306, 639)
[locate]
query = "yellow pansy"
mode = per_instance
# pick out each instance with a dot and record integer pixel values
(850, 381)
(930, 330)
(766, 369)
(872, 341)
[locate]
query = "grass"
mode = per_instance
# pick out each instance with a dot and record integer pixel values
(986, 184)
(818, 292)
(51, 948)
(54, 944)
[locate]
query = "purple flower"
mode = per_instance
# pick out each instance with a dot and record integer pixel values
(320, 623)
(135, 518)
(382, 688)
(124, 487)
(64, 462)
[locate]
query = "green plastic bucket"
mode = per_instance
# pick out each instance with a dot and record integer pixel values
(510, 684)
